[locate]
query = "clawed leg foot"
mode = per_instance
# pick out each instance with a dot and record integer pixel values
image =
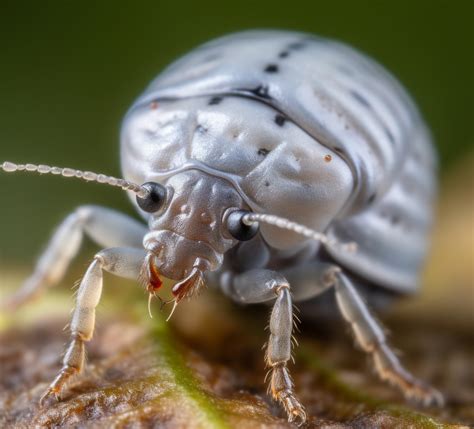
(72, 364)
(371, 338)
(55, 388)
(281, 389)
(390, 370)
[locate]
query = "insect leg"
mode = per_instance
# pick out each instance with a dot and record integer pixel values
(261, 285)
(123, 262)
(106, 227)
(371, 338)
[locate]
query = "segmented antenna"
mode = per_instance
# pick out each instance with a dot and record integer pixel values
(283, 223)
(88, 176)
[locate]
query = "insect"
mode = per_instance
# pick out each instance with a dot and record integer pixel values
(275, 166)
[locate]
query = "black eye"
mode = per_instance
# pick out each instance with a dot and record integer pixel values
(155, 198)
(238, 229)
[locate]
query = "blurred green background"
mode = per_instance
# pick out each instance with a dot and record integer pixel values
(69, 71)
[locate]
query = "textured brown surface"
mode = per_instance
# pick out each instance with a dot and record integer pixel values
(207, 371)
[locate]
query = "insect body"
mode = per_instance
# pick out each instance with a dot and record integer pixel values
(275, 165)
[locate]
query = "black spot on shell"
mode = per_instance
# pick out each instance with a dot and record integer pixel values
(215, 100)
(280, 120)
(200, 129)
(271, 68)
(267, 183)
(263, 151)
(296, 46)
(371, 199)
(361, 99)
(283, 54)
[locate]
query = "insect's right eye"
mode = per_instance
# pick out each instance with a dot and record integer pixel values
(155, 198)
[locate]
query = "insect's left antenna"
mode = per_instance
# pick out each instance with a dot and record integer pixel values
(289, 225)
(88, 176)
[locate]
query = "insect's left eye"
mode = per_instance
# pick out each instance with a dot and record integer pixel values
(238, 228)
(155, 198)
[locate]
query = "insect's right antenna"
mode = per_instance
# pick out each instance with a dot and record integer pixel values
(88, 176)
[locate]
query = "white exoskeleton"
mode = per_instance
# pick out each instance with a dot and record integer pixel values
(236, 156)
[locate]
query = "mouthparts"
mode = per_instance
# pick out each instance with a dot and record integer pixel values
(185, 288)
(175, 255)
(189, 286)
(149, 274)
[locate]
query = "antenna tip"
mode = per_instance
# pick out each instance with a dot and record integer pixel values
(8, 167)
(88, 176)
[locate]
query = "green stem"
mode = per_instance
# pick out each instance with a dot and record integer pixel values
(188, 387)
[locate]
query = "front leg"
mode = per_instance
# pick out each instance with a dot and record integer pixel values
(123, 262)
(106, 227)
(261, 285)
